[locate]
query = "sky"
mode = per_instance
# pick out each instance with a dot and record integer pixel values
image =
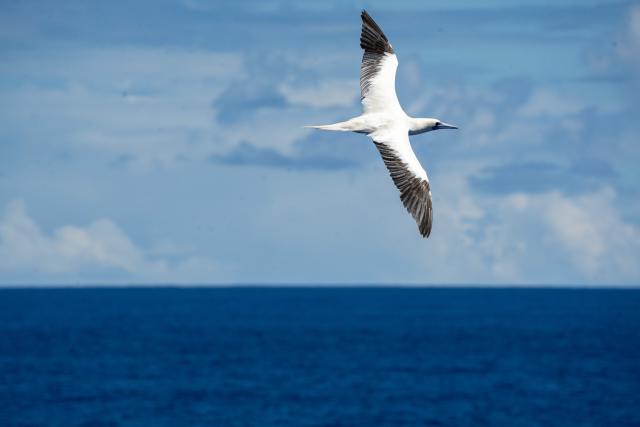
(162, 142)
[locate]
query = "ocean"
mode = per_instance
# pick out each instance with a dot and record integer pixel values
(319, 357)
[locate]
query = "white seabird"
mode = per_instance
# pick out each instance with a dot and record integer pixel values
(384, 121)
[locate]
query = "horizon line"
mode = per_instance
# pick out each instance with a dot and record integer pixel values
(336, 285)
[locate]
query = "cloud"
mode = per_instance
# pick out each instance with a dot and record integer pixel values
(323, 94)
(268, 106)
(545, 103)
(586, 175)
(248, 155)
(240, 101)
(96, 252)
(69, 248)
(316, 150)
(154, 111)
(601, 244)
(545, 237)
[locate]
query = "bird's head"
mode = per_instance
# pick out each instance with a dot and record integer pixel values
(439, 124)
(427, 125)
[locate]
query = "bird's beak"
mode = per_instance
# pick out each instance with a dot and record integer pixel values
(446, 126)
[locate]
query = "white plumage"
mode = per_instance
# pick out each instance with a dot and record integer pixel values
(384, 121)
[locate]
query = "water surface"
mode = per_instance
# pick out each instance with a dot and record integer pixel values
(319, 357)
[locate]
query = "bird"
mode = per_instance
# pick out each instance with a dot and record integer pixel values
(386, 123)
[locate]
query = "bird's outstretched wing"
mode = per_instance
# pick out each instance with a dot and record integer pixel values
(410, 178)
(378, 69)
(378, 87)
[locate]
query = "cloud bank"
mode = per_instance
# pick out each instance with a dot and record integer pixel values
(87, 254)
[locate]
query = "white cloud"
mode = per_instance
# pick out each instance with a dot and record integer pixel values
(546, 238)
(151, 105)
(273, 128)
(544, 102)
(602, 245)
(69, 248)
(157, 107)
(73, 252)
(326, 93)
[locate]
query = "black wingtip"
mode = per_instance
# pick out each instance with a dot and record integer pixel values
(425, 226)
(368, 20)
(372, 38)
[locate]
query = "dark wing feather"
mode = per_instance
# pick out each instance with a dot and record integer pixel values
(376, 48)
(415, 192)
(372, 39)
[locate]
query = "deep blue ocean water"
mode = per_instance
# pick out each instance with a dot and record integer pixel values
(319, 357)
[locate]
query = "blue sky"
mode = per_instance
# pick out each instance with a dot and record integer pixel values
(163, 142)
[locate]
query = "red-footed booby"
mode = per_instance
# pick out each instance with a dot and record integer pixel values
(384, 121)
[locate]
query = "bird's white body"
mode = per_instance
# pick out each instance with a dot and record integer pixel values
(383, 119)
(386, 123)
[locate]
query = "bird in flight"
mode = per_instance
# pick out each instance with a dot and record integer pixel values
(386, 123)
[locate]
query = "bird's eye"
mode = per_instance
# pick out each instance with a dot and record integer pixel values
(438, 124)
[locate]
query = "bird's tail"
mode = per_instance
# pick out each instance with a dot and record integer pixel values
(342, 126)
